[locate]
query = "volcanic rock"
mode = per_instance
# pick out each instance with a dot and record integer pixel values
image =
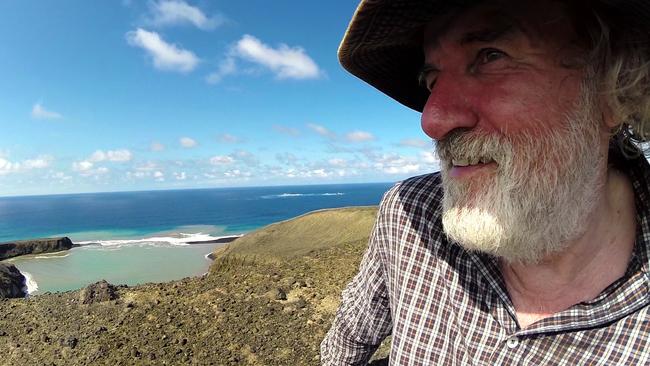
(12, 282)
(35, 246)
(98, 292)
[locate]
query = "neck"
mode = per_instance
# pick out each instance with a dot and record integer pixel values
(589, 264)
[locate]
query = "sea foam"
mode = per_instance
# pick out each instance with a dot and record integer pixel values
(291, 195)
(181, 239)
(30, 283)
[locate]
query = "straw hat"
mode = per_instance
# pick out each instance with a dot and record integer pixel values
(383, 43)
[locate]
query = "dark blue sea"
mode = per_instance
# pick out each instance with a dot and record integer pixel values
(136, 237)
(132, 214)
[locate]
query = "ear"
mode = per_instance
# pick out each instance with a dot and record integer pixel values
(610, 118)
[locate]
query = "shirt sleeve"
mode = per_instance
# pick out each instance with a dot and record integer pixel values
(363, 320)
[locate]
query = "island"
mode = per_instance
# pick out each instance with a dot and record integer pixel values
(268, 299)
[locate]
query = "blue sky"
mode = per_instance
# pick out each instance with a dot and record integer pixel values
(138, 95)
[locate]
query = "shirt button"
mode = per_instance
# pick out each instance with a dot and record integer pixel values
(512, 342)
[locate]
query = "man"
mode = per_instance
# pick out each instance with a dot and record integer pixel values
(532, 244)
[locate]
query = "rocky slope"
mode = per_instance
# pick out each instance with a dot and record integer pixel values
(35, 246)
(268, 300)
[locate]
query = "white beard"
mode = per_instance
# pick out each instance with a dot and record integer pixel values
(541, 195)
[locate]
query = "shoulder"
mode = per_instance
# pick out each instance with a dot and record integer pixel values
(416, 199)
(423, 190)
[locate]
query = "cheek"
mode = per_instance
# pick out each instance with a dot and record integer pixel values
(526, 107)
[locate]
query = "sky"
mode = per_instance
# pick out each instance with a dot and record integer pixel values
(167, 94)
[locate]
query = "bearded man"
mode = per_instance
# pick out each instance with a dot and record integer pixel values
(531, 246)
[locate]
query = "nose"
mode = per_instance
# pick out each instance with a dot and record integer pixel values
(448, 107)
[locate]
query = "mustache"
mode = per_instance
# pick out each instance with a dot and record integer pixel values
(468, 145)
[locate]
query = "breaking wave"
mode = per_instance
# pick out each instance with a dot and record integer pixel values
(291, 195)
(181, 239)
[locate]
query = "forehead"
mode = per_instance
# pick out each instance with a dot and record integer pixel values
(539, 21)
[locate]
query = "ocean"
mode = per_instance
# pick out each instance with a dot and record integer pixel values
(138, 237)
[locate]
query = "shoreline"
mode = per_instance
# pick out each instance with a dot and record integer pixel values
(31, 286)
(220, 240)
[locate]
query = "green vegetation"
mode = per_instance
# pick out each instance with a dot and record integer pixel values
(305, 234)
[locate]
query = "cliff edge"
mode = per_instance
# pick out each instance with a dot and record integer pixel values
(34, 246)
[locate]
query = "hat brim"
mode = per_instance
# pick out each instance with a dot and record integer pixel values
(383, 43)
(383, 47)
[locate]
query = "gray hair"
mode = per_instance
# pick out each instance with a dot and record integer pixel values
(620, 59)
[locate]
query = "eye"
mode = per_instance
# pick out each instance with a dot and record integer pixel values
(487, 55)
(427, 78)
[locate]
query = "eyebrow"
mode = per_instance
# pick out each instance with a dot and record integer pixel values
(489, 34)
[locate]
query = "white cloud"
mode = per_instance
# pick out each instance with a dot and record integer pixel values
(40, 162)
(159, 176)
(39, 112)
(175, 12)
(320, 173)
(285, 62)
(121, 155)
(166, 56)
(429, 157)
(286, 130)
(337, 162)
(286, 158)
(229, 139)
(395, 164)
(147, 166)
(187, 142)
(82, 166)
(156, 146)
(226, 67)
(7, 166)
(321, 130)
(404, 169)
(180, 176)
(236, 173)
(60, 176)
(245, 157)
(359, 136)
(221, 160)
(415, 142)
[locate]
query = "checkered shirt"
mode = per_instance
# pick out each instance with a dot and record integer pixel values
(447, 306)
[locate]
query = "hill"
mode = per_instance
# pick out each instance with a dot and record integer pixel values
(304, 234)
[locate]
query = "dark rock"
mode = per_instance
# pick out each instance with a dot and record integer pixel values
(69, 342)
(35, 246)
(12, 282)
(98, 292)
(276, 294)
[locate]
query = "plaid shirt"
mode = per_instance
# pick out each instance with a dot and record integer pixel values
(448, 306)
